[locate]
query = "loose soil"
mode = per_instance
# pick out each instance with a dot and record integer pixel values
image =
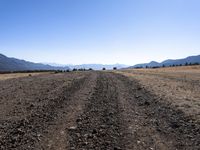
(90, 110)
(179, 86)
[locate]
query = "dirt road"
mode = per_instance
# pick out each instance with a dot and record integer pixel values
(90, 110)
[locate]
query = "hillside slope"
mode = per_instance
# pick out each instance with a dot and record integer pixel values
(13, 64)
(190, 59)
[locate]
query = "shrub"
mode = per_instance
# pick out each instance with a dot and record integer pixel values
(74, 69)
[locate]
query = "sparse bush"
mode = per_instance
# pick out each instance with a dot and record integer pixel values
(58, 71)
(138, 67)
(104, 69)
(74, 69)
(155, 67)
(196, 63)
(82, 69)
(114, 68)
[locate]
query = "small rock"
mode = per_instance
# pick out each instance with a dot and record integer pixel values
(146, 103)
(78, 120)
(103, 126)
(174, 125)
(117, 148)
(137, 96)
(62, 132)
(94, 131)
(85, 143)
(73, 128)
(90, 136)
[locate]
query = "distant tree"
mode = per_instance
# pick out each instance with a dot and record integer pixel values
(114, 68)
(104, 69)
(154, 67)
(196, 63)
(90, 69)
(173, 65)
(74, 69)
(138, 67)
(58, 71)
(147, 66)
(186, 64)
(81, 69)
(163, 65)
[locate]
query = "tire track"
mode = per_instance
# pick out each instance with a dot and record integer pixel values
(123, 115)
(56, 138)
(27, 132)
(153, 124)
(99, 126)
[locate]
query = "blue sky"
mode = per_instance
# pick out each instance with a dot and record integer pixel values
(99, 31)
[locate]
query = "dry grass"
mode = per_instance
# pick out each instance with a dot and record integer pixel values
(19, 75)
(179, 86)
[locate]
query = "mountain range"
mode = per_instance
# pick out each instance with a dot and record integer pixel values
(88, 66)
(98, 66)
(170, 62)
(13, 64)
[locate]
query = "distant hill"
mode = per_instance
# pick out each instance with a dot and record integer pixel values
(190, 59)
(13, 64)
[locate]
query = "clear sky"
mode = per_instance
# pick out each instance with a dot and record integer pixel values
(99, 31)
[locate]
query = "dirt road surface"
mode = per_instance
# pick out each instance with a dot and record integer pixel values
(90, 111)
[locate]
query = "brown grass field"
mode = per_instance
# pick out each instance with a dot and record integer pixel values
(19, 75)
(180, 86)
